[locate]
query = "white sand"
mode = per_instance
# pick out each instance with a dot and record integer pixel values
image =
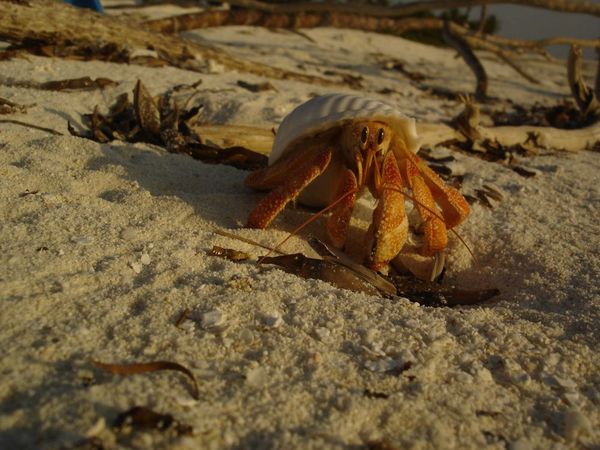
(100, 262)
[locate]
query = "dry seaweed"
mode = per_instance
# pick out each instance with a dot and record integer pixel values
(523, 171)
(399, 66)
(258, 87)
(142, 418)
(160, 121)
(493, 192)
(228, 253)
(325, 270)
(135, 368)
(353, 81)
(563, 115)
(482, 196)
(8, 107)
(336, 256)
(28, 192)
(432, 294)
(30, 125)
(182, 317)
(77, 84)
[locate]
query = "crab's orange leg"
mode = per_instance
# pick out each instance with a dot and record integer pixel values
(434, 229)
(455, 207)
(275, 175)
(338, 222)
(295, 181)
(389, 229)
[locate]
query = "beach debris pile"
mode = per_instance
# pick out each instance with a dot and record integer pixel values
(160, 121)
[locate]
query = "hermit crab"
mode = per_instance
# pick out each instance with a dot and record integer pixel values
(330, 148)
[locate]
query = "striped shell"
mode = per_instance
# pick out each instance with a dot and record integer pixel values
(327, 111)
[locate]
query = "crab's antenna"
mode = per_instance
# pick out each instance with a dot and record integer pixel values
(246, 240)
(307, 222)
(435, 213)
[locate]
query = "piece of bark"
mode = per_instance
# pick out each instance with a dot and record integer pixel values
(290, 20)
(431, 134)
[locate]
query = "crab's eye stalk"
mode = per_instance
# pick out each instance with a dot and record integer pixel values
(380, 136)
(364, 135)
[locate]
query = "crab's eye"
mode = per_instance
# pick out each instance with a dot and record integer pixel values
(364, 135)
(380, 136)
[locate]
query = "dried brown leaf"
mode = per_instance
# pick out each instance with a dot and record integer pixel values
(523, 171)
(228, 253)
(30, 125)
(432, 294)
(493, 192)
(83, 83)
(482, 196)
(258, 87)
(146, 110)
(325, 270)
(135, 368)
(182, 317)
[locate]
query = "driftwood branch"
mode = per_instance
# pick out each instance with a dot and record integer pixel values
(597, 84)
(290, 20)
(46, 22)
(415, 7)
(350, 20)
(584, 96)
(432, 134)
(465, 51)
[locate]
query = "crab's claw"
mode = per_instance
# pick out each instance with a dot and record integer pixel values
(389, 228)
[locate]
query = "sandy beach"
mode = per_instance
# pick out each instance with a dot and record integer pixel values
(103, 246)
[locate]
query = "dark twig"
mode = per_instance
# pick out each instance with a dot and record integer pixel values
(482, 18)
(463, 48)
(584, 96)
(30, 125)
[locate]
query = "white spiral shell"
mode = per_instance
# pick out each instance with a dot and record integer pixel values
(331, 110)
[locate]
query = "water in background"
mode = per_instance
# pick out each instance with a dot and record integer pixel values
(535, 23)
(522, 22)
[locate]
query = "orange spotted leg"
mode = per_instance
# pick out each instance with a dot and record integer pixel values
(389, 228)
(434, 229)
(455, 207)
(288, 181)
(339, 220)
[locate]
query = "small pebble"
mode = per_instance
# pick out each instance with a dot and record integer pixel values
(129, 234)
(522, 379)
(256, 376)
(186, 401)
(145, 259)
(381, 365)
(272, 320)
(97, 428)
(322, 333)
(576, 424)
(521, 444)
(136, 266)
(565, 383)
(212, 319)
(246, 336)
(82, 240)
